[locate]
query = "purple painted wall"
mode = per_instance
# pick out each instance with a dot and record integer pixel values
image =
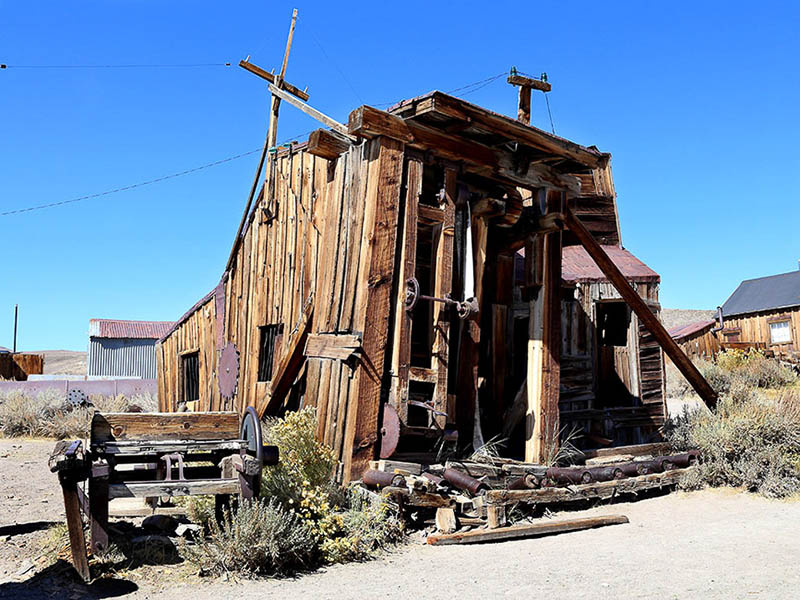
(108, 387)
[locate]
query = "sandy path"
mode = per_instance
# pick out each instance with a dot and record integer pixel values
(716, 544)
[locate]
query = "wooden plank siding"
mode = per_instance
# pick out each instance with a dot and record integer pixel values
(754, 328)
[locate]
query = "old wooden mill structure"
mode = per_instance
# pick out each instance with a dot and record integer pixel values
(402, 273)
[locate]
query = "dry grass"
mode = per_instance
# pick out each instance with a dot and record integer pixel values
(47, 414)
(750, 440)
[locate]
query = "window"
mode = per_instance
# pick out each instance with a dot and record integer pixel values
(266, 351)
(613, 319)
(190, 370)
(780, 333)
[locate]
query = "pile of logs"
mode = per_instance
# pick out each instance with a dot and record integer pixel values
(469, 494)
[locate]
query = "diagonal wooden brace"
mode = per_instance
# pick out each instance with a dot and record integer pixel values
(654, 326)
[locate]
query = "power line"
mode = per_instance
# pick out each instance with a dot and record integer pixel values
(145, 66)
(475, 84)
(130, 187)
(149, 182)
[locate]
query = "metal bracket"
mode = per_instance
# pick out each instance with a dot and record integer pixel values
(464, 308)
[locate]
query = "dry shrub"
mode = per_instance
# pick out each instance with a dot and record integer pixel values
(751, 442)
(261, 537)
(47, 413)
(326, 523)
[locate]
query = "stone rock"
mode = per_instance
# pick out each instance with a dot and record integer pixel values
(160, 524)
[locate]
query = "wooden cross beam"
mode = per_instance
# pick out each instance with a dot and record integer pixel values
(525, 85)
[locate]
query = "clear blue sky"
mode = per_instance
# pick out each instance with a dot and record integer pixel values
(696, 101)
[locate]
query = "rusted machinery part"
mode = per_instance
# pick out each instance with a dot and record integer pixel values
(390, 431)
(434, 479)
(228, 371)
(606, 473)
(569, 475)
(464, 482)
(375, 478)
(529, 481)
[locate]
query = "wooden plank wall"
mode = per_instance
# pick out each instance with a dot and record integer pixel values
(271, 281)
(702, 344)
(639, 364)
(17, 366)
(196, 334)
(755, 328)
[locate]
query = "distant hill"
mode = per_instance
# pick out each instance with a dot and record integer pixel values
(676, 317)
(65, 362)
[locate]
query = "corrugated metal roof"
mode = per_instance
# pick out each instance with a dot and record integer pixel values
(578, 266)
(114, 328)
(764, 293)
(687, 330)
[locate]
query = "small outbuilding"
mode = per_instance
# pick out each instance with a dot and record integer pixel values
(124, 348)
(765, 313)
(698, 339)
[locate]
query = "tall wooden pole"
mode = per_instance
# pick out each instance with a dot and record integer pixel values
(16, 314)
(276, 102)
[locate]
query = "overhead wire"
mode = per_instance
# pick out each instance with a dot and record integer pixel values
(131, 66)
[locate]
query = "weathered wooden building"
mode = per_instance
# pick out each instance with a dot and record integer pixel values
(374, 278)
(764, 312)
(17, 366)
(698, 340)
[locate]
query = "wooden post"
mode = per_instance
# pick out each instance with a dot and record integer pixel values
(524, 104)
(525, 85)
(544, 347)
(77, 542)
(646, 317)
(98, 507)
(384, 186)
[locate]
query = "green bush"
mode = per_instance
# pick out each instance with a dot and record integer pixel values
(751, 441)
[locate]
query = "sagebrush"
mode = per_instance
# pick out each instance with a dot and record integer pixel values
(751, 442)
(325, 523)
(48, 414)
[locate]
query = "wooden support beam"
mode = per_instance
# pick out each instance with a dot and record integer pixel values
(642, 310)
(77, 542)
(153, 489)
(525, 531)
(258, 71)
(331, 345)
(544, 348)
(288, 367)
(524, 104)
(384, 186)
(309, 110)
(327, 144)
(455, 109)
(169, 427)
(493, 163)
(529, 82)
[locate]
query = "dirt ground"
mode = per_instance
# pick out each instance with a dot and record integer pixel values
(718, 544)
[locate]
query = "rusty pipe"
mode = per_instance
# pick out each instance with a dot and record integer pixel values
(435, 479)
(567, 475)
(606, 473)
(375, 478)
(526, 482)
(464, 482)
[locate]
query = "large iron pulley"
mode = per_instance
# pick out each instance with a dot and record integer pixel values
(250, 431)
(464, 308)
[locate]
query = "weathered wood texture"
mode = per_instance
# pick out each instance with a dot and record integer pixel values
(18, 365)
(754, 328)
(703, 343)
(117, 427)
(642, 310)
(524, 531)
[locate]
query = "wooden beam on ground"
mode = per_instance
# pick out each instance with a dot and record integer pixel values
(310, 110)
(496, 163)
(258, 71)
(525, 531)
(642, 310)
(327, 144)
